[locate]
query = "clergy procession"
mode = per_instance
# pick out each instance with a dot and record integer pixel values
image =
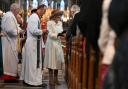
(63, 44)
(32, 63)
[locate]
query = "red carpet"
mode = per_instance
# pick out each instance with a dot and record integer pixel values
(8, 77)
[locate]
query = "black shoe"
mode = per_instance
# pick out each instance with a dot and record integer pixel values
(11, 81)
(42, 85)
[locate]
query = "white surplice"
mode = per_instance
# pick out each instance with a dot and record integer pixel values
(54, 56)
(30, 73)
(9, 43)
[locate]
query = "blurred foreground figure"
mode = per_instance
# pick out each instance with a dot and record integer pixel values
(89, 24)
(117, 77)
(106, 41)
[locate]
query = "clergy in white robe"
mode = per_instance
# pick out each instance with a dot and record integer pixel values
(9, 42)
(31, 74)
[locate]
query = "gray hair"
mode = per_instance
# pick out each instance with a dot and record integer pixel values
(75, 8)
(14, 6)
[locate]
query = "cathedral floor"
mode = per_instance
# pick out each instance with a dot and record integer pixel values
(45, 80)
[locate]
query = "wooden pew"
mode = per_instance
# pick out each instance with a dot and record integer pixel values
(77, 66)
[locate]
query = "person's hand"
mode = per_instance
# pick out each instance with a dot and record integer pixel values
(21, 31)
(60, 34)
(64, 32)
(3, 33)
(62, 37)
(45, 30)
(65, 35)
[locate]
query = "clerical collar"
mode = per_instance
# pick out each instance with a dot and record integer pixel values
(38, 15)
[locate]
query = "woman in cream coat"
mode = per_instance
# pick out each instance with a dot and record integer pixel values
(53, 51)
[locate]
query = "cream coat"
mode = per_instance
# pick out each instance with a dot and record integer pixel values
(54, 56)
(30, 73)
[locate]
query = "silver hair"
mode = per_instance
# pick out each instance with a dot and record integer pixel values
(75, 8)
(14, 6)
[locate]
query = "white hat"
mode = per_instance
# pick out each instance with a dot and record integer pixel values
(55, 13)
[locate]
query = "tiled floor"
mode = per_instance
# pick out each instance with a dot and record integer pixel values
(20, 86)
